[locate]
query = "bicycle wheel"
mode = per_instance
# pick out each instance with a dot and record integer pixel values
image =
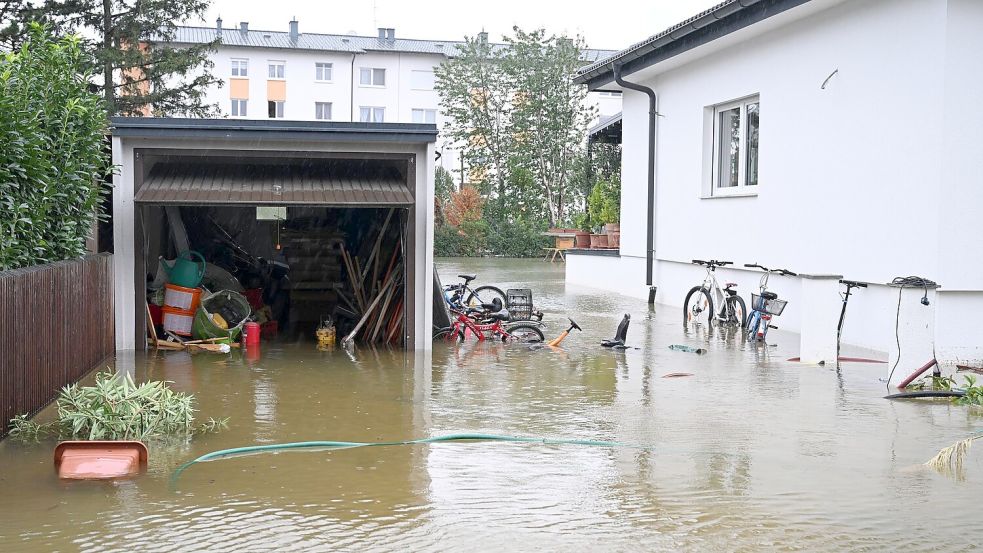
(444, 334)
(485, 294)
(698, 306)
(737, 314)
(526, 334)
(752, 326)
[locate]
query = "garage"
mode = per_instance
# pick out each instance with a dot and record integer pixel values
(314, 222)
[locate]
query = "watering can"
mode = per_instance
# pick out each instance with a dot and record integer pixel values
(185, 271)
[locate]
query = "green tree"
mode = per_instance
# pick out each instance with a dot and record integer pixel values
(130, 40)
(54, 163)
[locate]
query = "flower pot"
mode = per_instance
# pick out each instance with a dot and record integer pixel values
(582, 239)
(614, 239)
(612, 227)
(598, 241)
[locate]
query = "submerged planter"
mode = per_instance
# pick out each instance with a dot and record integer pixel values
(99, 460)
(582, 239)
(598, 241)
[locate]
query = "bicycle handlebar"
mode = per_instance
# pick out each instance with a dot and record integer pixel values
(783, 272)
(853, 283)
(712, 263)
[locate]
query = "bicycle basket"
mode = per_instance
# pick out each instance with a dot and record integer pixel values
(519, 303)
(772, 307)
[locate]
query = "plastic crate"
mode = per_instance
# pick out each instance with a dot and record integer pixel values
(519, 303)
(772, 307)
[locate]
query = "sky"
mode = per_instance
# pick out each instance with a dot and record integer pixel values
(598, 21)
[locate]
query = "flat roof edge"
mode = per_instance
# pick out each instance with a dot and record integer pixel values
(163, 127)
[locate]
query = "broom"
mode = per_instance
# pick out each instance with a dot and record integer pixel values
(951, 458)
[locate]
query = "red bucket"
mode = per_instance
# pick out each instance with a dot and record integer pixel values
(252, 333)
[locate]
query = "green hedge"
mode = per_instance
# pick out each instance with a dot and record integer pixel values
(478, 238)
(54, 159)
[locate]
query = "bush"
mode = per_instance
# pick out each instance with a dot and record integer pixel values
(518, 239)
(468, 240)
(604, 203)
(53, 163)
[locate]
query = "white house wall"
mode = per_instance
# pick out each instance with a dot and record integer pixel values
(872, 178)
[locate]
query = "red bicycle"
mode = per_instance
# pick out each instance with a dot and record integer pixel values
(489, 319)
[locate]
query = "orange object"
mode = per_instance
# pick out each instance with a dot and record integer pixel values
(178, 321)
(96, 460)
(179, 297)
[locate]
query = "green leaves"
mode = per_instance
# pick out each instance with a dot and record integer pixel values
(53, 158)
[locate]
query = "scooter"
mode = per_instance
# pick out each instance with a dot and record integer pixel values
(850, 284)
(556, 341)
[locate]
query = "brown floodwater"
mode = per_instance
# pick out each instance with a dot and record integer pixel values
(750, 453)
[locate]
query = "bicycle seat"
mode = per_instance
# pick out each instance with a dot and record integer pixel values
(468, 278)
(495, 305)
(769, 295)
(502, 315)
(730, 285)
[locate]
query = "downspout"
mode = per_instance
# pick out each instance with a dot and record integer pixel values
(650, 237)
(351, 93)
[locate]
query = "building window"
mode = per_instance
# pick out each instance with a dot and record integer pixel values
(275, 109)
(277, 69)
(614, 94)
(735, 147)
(424, 116)
(322, 111)
(238, 108)
(372, 76)
(240, 68)
(367, 114)
(322, 72)
(421, 80)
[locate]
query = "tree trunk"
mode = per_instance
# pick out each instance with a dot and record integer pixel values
(107, 64)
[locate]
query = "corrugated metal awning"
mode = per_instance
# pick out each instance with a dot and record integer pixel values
(337, 184)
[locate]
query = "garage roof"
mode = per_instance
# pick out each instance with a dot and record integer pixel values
(182, 183)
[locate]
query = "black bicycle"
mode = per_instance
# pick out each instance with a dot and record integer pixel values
(461, 296)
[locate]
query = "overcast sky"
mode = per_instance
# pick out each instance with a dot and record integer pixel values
(609, 24)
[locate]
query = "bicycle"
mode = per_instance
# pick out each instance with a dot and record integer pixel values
(700, 299)
(461, 296)
(764, 305)
(489, 318)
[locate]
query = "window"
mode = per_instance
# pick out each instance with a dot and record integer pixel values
(240, 68)
(424, 116)
(372, 76)
(322, 111)
(322, 72)
(275, 109)
(277, 69)
(735, 147)
(368, 114)
(614, 94)
(238, 108)
(421, 80)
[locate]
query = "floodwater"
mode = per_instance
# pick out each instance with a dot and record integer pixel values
(750, 453)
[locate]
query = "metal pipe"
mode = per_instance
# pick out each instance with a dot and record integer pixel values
(653, 114)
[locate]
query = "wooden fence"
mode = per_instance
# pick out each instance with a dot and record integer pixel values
(56, 325)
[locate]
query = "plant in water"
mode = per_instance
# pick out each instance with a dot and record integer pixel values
(115, 408)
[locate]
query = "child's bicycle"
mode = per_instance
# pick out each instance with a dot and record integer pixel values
(764, 305)
(491, 318)
(700, 300)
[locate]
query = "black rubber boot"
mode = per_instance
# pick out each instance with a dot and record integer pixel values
(620, 336)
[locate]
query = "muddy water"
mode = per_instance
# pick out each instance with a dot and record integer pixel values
(750, 453)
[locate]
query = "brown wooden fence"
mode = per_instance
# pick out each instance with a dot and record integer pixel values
(56, 324)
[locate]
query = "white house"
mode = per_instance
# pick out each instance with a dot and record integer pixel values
(331, 77)
(856, 152)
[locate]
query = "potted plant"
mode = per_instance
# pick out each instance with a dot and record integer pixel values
(604, 206)
(582, 236)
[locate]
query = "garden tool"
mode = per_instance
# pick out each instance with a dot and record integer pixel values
(556, 341)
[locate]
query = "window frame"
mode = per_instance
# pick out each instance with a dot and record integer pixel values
(330, 68)
(279, 109)
(241, 65)
(372, 112)
(372, 82)
(330, 110)
(425, 111)
(235, 103)
(270, 64)
(713, 190)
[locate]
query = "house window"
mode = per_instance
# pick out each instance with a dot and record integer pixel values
(275, 109)
(240, 68)
(322, 72)
(424, 116)
(421, 80)
(613, 94)
(735, 147)
(322, 111)
(368, 114)
(277, 69)
(238, 108)
(372, 76)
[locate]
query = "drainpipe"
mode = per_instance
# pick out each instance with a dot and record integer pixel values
(351, 94)
(650, 238)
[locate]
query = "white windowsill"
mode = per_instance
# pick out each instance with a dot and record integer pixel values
(371, 85)
(729, 195)
(323, 82)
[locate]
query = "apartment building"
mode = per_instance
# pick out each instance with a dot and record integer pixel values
(313, 76)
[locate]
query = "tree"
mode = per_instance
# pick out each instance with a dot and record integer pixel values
(141, 72)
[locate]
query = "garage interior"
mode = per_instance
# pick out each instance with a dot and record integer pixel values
(311, 238)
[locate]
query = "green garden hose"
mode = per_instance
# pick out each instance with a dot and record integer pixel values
(345, 445)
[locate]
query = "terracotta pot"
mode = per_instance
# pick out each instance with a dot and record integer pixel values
(614, 239)
(582, 239)
(612, 227)
(598, 241)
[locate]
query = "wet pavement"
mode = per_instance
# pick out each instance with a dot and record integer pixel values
(750, 453)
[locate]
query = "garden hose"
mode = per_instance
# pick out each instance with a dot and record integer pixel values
(345, 445)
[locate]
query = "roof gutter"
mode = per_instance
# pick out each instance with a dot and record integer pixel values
(653, 116)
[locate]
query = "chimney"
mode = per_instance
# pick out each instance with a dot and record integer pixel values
(391, 33)
(483, 37)
(218, 25)
(382, 33)
(294, 32)
(244, 27)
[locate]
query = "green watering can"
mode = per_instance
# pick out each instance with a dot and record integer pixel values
(185, 271)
